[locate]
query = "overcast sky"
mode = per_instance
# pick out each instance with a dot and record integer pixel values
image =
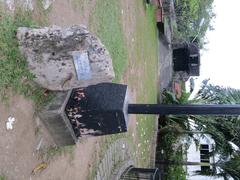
(221, 62)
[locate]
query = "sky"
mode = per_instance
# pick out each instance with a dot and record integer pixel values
(221, 62)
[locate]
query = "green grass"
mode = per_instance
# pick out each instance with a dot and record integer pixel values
(105, 142)
(146, 56)
(78, 5)
(14, 74)
(52, 151)
(41, 14)
(106, 23)
(2, 177)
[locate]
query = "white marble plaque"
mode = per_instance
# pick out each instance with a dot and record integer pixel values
(82, 65)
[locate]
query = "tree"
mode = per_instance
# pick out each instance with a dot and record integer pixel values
(224, 130)
(228, 125)
(226, 167)
(189, 14)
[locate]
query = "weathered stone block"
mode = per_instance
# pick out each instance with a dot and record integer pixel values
(55, 120)
(98, 109)
(65, 58)
(91, 111)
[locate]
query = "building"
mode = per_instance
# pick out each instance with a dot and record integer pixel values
(201, 154)
(186, 57)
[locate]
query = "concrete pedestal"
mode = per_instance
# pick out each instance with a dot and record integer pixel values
(56, 121)
(92, 111)
(98, 109)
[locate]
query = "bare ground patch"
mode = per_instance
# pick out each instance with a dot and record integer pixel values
(78, 163)
(65, 13)
(72, 165)
(18, 155)
(138, 27)
(17, 146)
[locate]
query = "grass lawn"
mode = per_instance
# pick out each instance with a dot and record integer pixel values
(106, 21)
(2, 177)
(146, 56)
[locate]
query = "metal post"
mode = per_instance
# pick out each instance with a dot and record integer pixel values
(191, 109)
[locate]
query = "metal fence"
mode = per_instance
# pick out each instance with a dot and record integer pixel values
(133, 173)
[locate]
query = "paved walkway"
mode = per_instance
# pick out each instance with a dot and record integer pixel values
(115, 160)
(165, 61)
(165, 58)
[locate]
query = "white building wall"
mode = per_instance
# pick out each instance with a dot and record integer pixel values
(193, 155)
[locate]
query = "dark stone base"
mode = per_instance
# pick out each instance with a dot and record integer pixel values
(98, 110)
(92, 111)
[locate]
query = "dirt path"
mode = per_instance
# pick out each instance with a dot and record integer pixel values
(69, 12)
(128, 20)
(17, 157)
(72, 165)
(75, 165)
(79, 164)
